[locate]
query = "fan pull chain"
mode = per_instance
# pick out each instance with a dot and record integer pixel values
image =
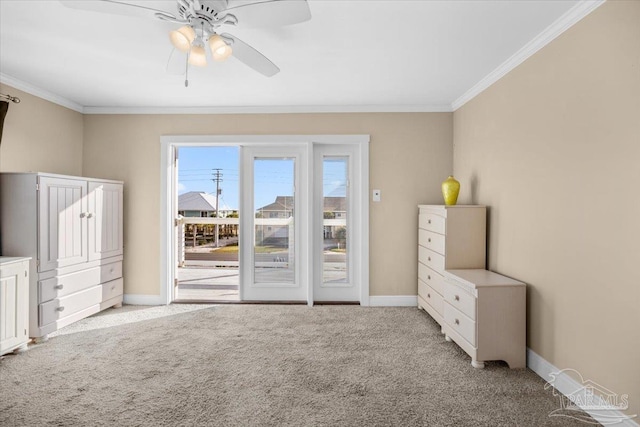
(186, 76)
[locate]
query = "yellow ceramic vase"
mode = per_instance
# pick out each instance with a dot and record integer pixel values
(450, 190)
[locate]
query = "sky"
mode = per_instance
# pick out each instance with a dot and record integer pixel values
(273, 177)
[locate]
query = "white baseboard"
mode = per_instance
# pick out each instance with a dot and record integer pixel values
(143, 299)
(393, 301)
(567, 385)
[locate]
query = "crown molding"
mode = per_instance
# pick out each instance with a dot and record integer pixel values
(289, 109)
(559, 26)
(40, 93)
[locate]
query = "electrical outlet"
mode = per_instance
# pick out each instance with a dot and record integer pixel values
(376, 195)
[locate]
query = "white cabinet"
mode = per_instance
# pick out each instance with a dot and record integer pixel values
(72, 227)
(448, 237)
(14, 304)
(485, 314)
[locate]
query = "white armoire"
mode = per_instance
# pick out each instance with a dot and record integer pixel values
(72, 229)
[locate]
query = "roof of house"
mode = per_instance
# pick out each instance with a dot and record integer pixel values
(196, 201)
(286, 203)
(282, 203)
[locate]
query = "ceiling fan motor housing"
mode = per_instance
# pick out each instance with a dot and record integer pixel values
(206, 10)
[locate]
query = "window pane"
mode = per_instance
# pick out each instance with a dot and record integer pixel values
(274, 220)
(335, 203)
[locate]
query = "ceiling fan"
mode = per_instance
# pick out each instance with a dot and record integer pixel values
(201, 21)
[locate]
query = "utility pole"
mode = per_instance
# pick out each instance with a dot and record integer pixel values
(217, 177)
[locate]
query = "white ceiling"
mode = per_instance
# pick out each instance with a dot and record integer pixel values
(376, 55)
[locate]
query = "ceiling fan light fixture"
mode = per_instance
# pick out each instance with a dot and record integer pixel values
(182, 38)
(219, 48)
(197, 56)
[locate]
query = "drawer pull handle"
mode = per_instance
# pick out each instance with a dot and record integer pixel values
(429, 258)
(428, 277)
(60, 308)
(58, 287)
(428, 295)
(457, 298)
(457, 322)
(113, 287)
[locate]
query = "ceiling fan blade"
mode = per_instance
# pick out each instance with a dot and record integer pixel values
(251, 57)
(271, 13)
(116, 7)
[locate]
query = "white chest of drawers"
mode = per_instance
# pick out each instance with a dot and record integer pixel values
(485, 314)
(448, 237)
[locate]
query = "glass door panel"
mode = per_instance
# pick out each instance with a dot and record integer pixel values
(274, 202)
(335, 234)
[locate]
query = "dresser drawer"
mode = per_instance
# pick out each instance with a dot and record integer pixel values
(67, 284)
(431, 278)
(433, 298)
(432, 222)
(431, 240)
(431, 259)
(110, 272)
(51, 311)
(460, 299)
(460, 323)
(112, 289)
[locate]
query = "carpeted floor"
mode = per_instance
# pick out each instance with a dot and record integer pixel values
(263, 365)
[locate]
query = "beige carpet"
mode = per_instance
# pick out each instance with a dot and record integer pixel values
(263, 365)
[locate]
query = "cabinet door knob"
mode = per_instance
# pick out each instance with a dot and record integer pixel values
(89, 215)
(456, 297)
(429, 240)
(429, 258)
(429, 221)
(83, 214)
(428, 295)
(60, 286)
(60, 308)
(457, 322)
(428, 277)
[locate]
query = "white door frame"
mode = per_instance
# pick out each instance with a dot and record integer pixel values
(168, 194)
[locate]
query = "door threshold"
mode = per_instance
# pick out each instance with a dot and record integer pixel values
(178, 301)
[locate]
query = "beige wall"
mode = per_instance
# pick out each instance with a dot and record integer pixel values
(40, 136)
(553, 149)
(410, 154)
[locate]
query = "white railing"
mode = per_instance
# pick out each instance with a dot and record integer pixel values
(278, 222)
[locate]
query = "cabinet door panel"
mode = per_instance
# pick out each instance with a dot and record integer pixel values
(105, 223)
(62, 226)
(14, 305)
